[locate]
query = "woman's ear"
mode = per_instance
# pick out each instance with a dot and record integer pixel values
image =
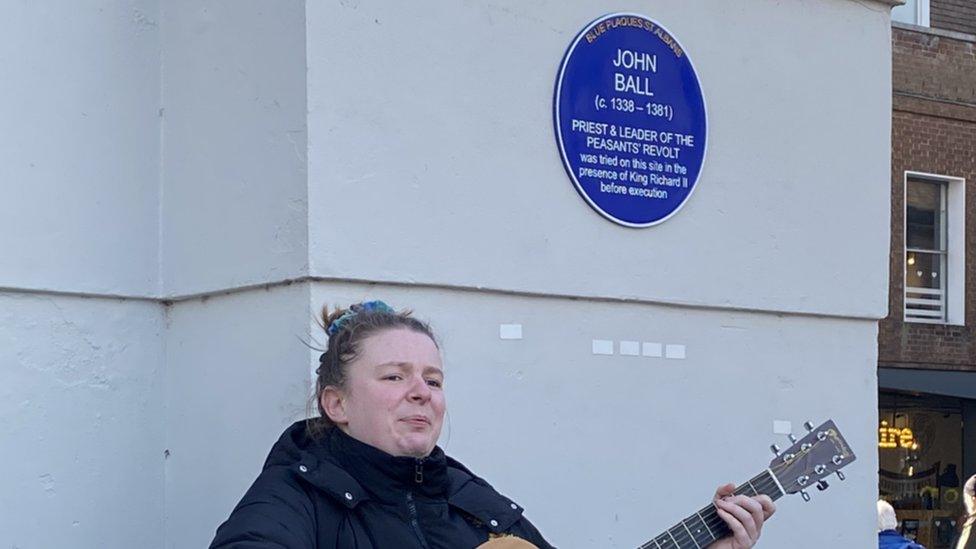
(334, 404)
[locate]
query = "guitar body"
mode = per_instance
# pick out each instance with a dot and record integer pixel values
(507, 542)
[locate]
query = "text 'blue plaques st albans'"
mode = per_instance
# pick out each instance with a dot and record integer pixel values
(630, 119)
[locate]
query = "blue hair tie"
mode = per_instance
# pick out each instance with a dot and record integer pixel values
(366, 307)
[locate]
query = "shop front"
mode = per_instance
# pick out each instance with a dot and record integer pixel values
(926, 449)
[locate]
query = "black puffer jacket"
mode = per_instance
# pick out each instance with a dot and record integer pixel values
(339, 493)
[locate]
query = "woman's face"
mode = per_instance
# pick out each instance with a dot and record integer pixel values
(394, 397)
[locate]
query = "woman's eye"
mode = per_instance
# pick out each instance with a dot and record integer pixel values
(434, 382)
(393, 377)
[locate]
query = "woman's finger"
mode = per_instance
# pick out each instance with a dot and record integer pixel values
(739, 533)
(741, 508)
(754, 508)
(769, 508)
(724, 490)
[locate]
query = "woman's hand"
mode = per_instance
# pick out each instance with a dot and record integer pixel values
(744, 515)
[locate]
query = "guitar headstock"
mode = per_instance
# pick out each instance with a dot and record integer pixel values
(819, 454)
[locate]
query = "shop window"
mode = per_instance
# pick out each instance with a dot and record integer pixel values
(913, 12)
(920, 452)
(934, 258)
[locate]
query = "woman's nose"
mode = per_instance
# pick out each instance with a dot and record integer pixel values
(420, 391)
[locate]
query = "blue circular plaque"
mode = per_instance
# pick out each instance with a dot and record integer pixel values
(630, 119)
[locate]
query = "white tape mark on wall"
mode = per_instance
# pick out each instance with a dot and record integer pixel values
(674, 351)
(652, 349)
(510, 331)
(602, 347)
(630, 348)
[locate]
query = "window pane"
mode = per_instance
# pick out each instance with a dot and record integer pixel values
(907, 13)
(924, 215)
(923, 270)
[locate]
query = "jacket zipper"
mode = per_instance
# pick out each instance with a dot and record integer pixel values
(418, 475)
(412, 508)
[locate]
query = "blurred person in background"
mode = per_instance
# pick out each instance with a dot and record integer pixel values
(888, 536)
(967, 538)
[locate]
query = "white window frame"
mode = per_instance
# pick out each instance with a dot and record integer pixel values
(952, 285)
(921, 14)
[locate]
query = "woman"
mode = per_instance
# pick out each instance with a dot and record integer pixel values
(967, 535)
(368, 473)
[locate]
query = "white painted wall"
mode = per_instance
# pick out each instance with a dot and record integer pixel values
(80, 405)
(431, 164)
(233, 144)
(440, 127)
(435, 152)
(634, 444)
(80, 378)
(79, 157)
(237, 375)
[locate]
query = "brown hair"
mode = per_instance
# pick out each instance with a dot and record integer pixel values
(345, 344)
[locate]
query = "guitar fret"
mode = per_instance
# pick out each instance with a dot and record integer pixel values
(701, 537)
(715, 523)
(706, 525)
(690, 534)
(779, 487)
(686, 537)
(649, 546)
(769, 484)
(658, 541)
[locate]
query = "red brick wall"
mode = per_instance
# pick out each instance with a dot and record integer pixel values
(933, 66)
(933, 131)
(954, 15)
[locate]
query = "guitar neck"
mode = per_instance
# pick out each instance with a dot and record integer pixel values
(705, 527)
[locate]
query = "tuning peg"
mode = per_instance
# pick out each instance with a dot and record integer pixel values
(808, 425)
(791, 437)
(822, 485)
(804, 495)
(840, 475)
(774, 448)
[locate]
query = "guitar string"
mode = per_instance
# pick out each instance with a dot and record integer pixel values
(681, 533)
(767, 485)
(765, 481)
(709, 516)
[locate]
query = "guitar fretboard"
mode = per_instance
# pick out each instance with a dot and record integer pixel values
(704, 527)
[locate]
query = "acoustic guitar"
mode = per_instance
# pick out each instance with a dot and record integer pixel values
(822, 452)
